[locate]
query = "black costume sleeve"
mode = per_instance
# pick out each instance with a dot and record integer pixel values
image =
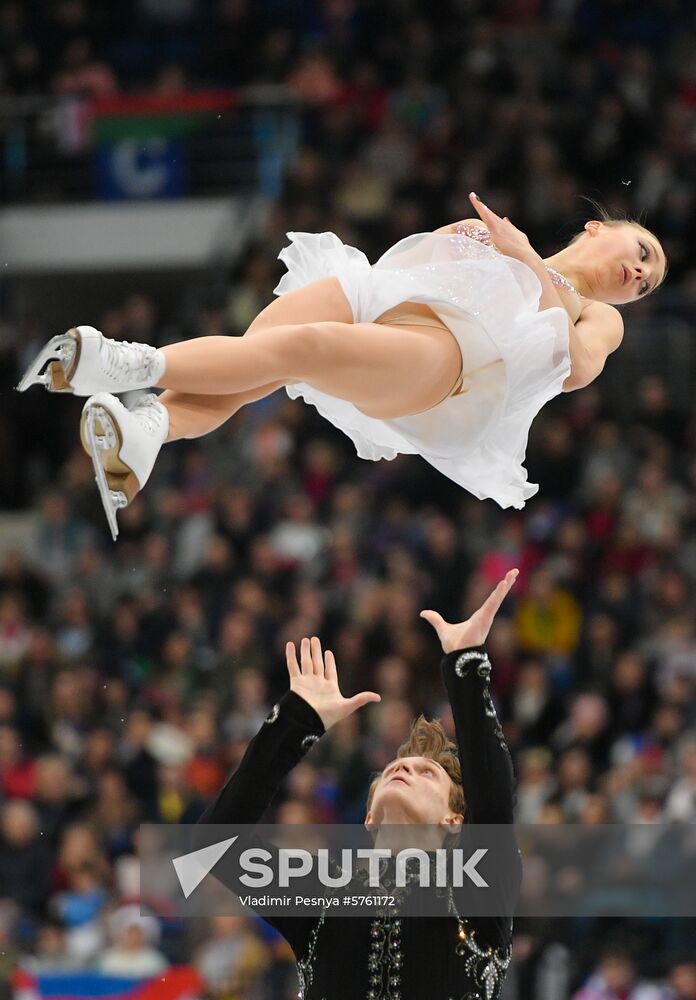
(285, 737)
(487, 775)
(290, 730)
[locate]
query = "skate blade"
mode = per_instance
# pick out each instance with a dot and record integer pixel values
(116, 482)
(54, 365)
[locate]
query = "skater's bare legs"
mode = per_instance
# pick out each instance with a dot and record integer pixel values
(385, 371)
(321, 301)
(193, 415)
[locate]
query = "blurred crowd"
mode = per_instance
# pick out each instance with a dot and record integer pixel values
(133, 676)
(411, 105)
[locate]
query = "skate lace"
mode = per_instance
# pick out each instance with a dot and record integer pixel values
(149, 413)
(120, 357)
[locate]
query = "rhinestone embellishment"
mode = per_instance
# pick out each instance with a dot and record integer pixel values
(305, 971)
(483, 669)
(485, 966)
(385, 959)
(560, 281)
(482, 235)
(461, 668)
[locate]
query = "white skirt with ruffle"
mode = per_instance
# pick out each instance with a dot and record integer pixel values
(515, 357)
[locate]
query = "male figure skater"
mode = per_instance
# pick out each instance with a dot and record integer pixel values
(431, 782)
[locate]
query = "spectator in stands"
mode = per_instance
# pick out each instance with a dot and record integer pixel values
(682, 980)
(548, 617)
(79, 909)
(616, 978)
(681, 801)
(233, 959)
(536, 784)
(49, 952)
(133, 953)
(25, 869)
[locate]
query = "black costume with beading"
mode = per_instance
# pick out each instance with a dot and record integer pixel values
(388, 958)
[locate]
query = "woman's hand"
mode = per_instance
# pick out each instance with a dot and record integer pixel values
(474, 631)
(314, 679)
(507, 238)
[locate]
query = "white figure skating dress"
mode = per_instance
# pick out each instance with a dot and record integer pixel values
(515, 358)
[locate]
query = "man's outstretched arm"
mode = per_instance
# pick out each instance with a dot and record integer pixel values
(487, 776)
(291, 728)
(313, 704)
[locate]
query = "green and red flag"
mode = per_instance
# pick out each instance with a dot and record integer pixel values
(146, 116)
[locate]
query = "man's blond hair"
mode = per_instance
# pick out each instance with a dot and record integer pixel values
(429, 739)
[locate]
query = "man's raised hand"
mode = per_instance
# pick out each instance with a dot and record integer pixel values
(474, 631)
(314, 678)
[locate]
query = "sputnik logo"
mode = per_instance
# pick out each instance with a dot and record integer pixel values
(192, 868)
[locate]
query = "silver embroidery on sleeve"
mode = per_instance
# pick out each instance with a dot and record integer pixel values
(273, 714)
(483, 669)
(305, 972)
(309, 740)
(460, 667)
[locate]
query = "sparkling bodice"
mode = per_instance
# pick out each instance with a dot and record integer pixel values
(483, 235)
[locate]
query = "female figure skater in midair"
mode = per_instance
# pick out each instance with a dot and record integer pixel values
(447, 347)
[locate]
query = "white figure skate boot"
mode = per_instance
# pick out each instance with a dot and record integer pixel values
(83, 361)
(123, 445)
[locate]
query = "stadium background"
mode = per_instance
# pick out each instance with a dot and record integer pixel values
(132, 676)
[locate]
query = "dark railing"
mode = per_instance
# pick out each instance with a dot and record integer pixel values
(73, 149)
